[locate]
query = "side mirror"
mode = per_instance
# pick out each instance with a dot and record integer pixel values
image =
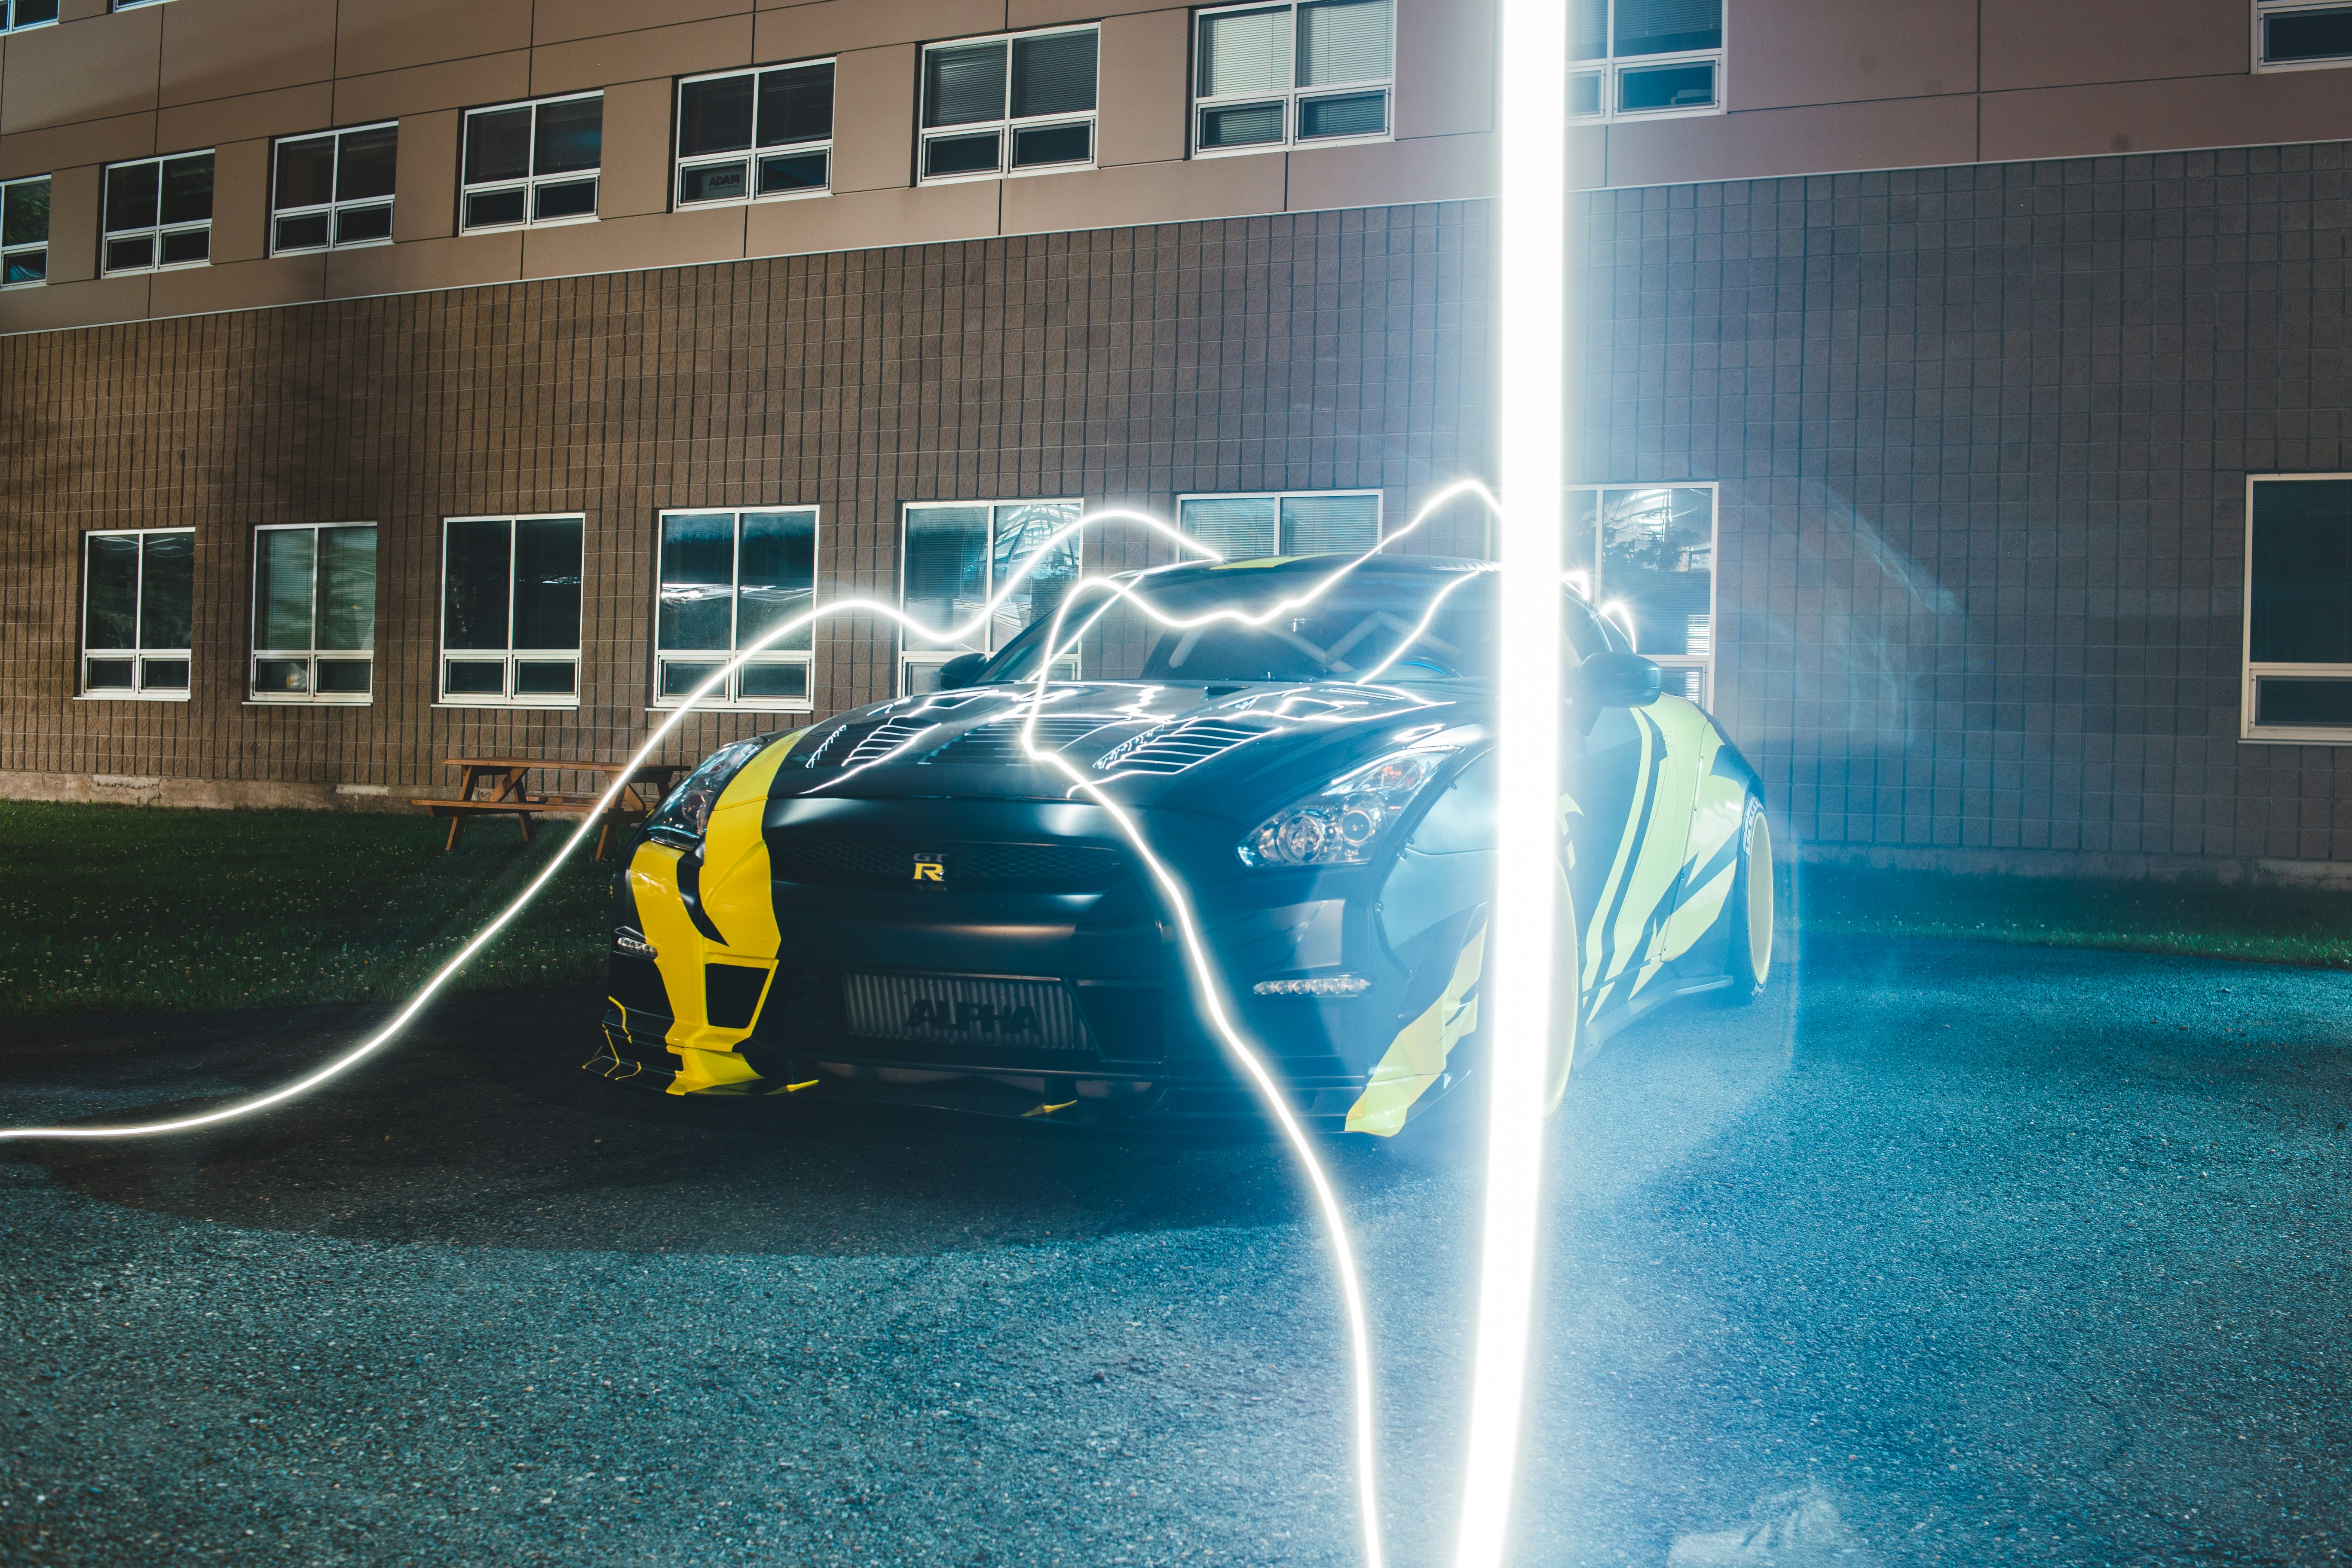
(964, 670)
(1613, 680)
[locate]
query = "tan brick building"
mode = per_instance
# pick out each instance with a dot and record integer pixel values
(390, 382)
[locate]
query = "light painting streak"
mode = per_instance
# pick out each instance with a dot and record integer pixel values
(1532, 424)
(1207, 982)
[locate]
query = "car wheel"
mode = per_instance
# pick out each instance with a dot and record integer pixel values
(1747, 913)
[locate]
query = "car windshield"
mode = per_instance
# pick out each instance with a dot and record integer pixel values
(1394, 628)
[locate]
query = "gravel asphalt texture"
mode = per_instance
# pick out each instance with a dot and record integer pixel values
(1943, 1253)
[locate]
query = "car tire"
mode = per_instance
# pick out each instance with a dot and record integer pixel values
(1747, 913)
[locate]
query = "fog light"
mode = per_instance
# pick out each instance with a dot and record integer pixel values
(1323, 986)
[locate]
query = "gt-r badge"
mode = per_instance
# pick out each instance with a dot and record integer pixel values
(930, 871)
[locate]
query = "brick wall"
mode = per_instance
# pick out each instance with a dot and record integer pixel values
(1982, 433)
(1330, 350)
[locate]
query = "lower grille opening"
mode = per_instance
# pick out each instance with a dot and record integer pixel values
(730, 994)
(636, 984)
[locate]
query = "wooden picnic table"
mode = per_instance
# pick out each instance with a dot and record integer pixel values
(508, 780)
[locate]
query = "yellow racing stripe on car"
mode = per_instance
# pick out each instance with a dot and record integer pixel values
(1416, 1058)
(738, 898)
(1715, 821)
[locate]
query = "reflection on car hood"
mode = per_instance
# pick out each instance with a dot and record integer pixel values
(1156, 740)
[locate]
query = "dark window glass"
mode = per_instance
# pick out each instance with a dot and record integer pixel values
(123, 254)
(796, 105)
(946, 579)
(27, 267)
(571, 136)
(167, 589)
(714, 116)
(164, 674)
(305, 232)
(345, 676)
(473, 678)
(792, 171)
(776, 577)
(2302, 591)
(1244, 127)
(698, 581)
(774, 680)
(547, 582)
(2307, 36)
(959, 154)
(1053, 144)
(1668, 27)
(713, 182)
(1357, 114)
(963, 85)
(2316, 704)
(680, 679)
(306, 171)
(495, 207)
(368, 163)
(110, 593)
(25, 220)
(474, 588)
(107, 675)
(188, 189)
(189, 245)
(1054, 75)
(130, 197)
(31, 11)
(346, 588)
(357, 224)
(544, 677)
(285, 571)
(497, 145)
(1666, 87)
(573, 199)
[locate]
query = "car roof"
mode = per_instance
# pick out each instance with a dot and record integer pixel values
(1321, 566)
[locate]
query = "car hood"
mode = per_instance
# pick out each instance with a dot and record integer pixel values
(1223, 748)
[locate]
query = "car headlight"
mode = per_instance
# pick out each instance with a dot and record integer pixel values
(687, 808)
(1337, 825)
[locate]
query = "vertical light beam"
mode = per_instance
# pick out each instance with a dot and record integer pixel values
(1530, 317)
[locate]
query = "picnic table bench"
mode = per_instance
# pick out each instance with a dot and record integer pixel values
(507, 779)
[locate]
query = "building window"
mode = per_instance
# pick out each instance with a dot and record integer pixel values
(759, 134)
(1034, 90)
(25, 231)
(333, 189)
(728, 579)
(959, 555)
(510, 611)
(159, 213)
(17, 15)
(1645, 58)
(135, 5)
(314, 613)
(2298, 632)
(2289, 36)
(1279, 75)
(1302, 522)
(533, 162)
(138, 599)
(1644, 556)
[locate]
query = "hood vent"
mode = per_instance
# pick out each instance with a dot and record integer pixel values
(886, 739)
(1172, 750)
(998, 742)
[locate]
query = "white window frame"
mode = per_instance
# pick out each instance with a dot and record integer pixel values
(1009, 125)
(9, 253)
(526, 181)
(135, 5)
(10, 9)
(2264, 9)
(732, 700)
(1290, 141)
(310, 695)
(1378, 497)
(1611, 66)
(444, 654)
(2249, 733)
(681, 162)
(158, 230)
(1616, 613)
(334, 208)
(138, 690)
(910, 661)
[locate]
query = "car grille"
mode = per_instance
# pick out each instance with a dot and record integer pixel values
(1171, 750)
(998, 743)
(892, 862)
(1005, 1015)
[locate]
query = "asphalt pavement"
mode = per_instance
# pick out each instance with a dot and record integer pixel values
(1944, 1253)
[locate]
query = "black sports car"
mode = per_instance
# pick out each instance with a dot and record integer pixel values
(903, 904)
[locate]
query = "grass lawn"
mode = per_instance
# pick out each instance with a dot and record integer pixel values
(115, 909)
(2201, 920)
